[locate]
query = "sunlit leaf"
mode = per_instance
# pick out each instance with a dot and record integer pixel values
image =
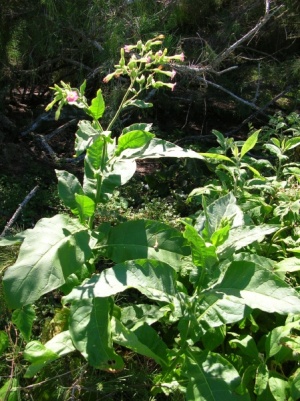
(23, 319)
(90, 329)
(55, 248)
(211, 378)
(97, 107)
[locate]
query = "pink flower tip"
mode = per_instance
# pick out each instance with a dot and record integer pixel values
(173, 87)
(72, 96)
(181, 57)
(173, 74)
(127, 48)
(159, 53)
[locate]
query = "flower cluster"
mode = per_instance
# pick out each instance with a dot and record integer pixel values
(142, 64)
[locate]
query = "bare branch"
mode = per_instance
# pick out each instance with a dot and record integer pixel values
(18, 211)
(239, 99)
(222, 56)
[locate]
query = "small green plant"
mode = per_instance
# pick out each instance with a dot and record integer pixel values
(201, 292)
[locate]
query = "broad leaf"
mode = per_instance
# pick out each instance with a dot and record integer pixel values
(242, 236)
(261, 378)
(291, 143)
(13, 239)
(10, 391)
(23, 319)
(273, 343)
(68, 187)
(119, 174)
(203, 255)
(137, 126)
(258, 288)
(133, 140)
(291, 264)
(152, 278)
(135, 315)
(94, 160)
(142, 239)
(90, 329)
(40, 355)
(249, 143)
(247, 346)
(144, 340)
(295, 385)
(279, 388)
(85, 135)
(219, 213)
(211, 378)
(214, 310)
(97, 107)
(55, 248)
(85, 206)
(157, 148)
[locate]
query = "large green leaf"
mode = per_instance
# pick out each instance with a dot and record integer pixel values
(137, 126)
(157, 148)
(144, 340)
(23, 319)
(133, 140)
(273, 344)
(135, 315)
(85, 136)
(93, 161)
(224, 209)
(90, 329)
(10, 391)
(203, 256)
(211, 378)
(240, 237)
(39, 355)
(258, 288)
(68, 187)
(118, 174)
(97, 107)
(54, 249)
(85, 205)
(152, 278)
(141, 239)
(249, 143)
(213, 310)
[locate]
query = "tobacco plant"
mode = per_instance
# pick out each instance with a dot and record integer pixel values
(202, 290)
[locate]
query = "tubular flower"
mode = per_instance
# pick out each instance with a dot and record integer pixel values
(72, 96)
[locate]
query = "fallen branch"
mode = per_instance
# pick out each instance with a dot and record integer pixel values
(239, 99)
(18, 211)
(223, 56)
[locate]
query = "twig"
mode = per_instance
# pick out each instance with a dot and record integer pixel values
(18, 211)
(248, 119)
(60, 129)
(221, 57)
(47, 147)
(239, 99)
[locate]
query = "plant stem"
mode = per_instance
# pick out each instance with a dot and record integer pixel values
(121, 106)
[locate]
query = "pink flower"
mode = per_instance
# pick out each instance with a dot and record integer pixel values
(72, 96)
(127, 48)
(173, 74)
(181, 56)
(173, 87)
(159, 53)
